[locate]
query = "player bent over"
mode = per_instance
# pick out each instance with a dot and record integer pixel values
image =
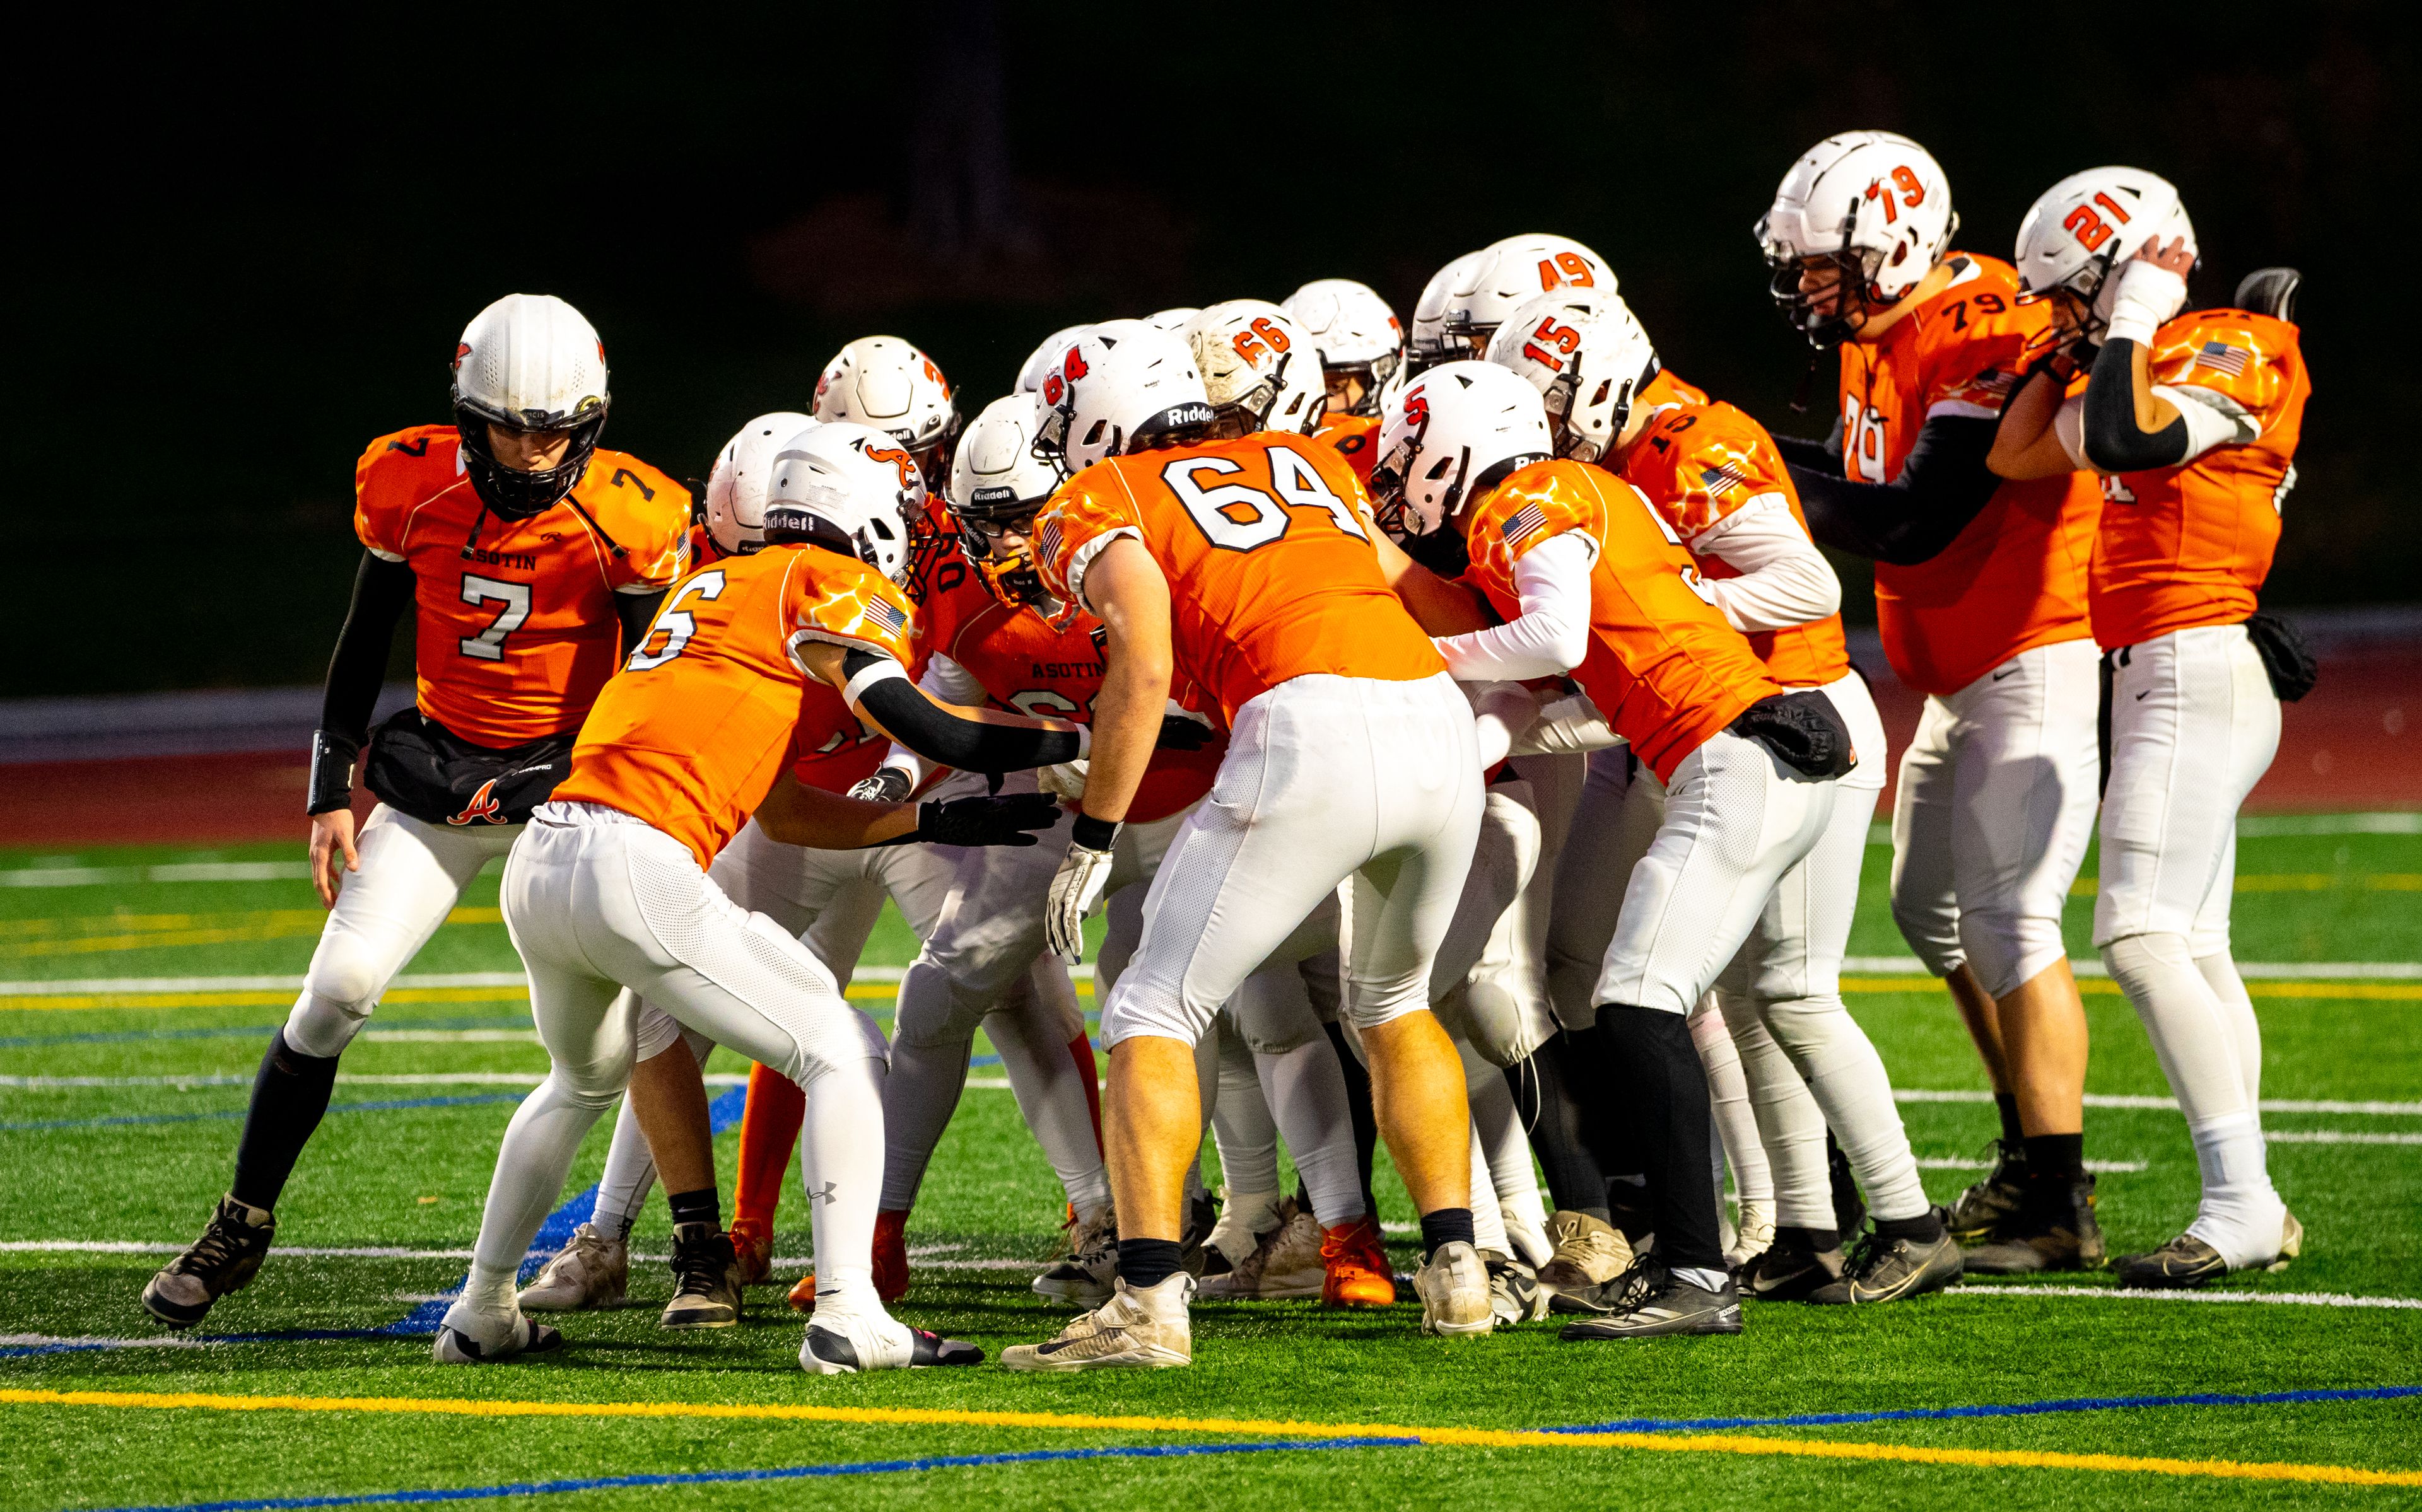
(1251, 566)
(2191, 420)
(609, 890)
(1595, 584)
(528, 556)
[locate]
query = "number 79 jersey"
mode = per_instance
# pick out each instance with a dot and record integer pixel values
(516, 624)
(1265, 541)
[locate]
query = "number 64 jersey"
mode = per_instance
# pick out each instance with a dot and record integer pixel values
(517, 630)
(1265, 541)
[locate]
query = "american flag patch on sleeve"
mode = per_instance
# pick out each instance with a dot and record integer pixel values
(1520, 524)
(887, 615)
(2220, 355)
(1719, 481)
(1046, 541)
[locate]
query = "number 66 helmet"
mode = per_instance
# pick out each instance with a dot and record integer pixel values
(526, 363)
(1259, 369)
(1119, 385)
(1589, 359)
(1874, 204)
(2086, 225)
(1453, 434)
(850, 489)
(738, 484)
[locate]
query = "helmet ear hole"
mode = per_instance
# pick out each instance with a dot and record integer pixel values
(1093, 436)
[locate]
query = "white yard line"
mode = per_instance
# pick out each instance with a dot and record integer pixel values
(78, 1246)
(2256, 970)
(103, 985)
(2116, 1294)
(2106, 1100)
(1940, 1163)
(2335, 1136)
(190, 871)
(2273, 826)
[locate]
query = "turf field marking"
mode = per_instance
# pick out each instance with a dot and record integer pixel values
(2132, 1294)
(245, 984)
(2290, 971)
(395, 1105)
(188, 871)
(2065, 1403)
(1340, 1434)
(2108, 1099)
(1954, 1163)
(409, 1030)
(2273, 826)
(2104, 987)
(2335, 1136)
(122, 1246)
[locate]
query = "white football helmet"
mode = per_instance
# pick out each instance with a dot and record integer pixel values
(528, 362)
(1589, 359)
(1426, 342)
(1030, 373)
(743, 471)
(1455, 432)
(1358, 339)
(1121, 384)
(885, 382)
(2088, 223)
(851, 488)
(1259, 369)
(997, 481)
(1510, 270)
(1874, 204)
(1173, 319)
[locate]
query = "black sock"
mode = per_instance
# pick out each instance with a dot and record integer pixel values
(704, 1206)
(1820, 1240)
(1147, 1262)
(1546, 1095)
(290, 1096)
(1925, 1228)
(1445, 1226)
(1654, 1070)
(2055, 1157)
(1358, 1107)
(2007, 1103)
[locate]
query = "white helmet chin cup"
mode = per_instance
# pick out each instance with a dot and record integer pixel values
(1874, 201)
(1120, 383)
(1357, 332)
(1259, 368)
(886, 382)
(1589, 359)
(1453, 425)
(2080, 229)
(1508, 271)
(743, 471)
(851, 488)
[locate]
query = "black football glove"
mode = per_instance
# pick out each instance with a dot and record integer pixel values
(973, 822)
(1181, 732)
(890, 785)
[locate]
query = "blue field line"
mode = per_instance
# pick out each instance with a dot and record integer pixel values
(716, 1477)
(977, 1062)
(2068, 1404)
(383, 1105)
(120, 1037)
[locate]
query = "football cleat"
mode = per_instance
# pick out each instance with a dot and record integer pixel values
(1654, 1303)
(1089, 1276)
(2054, 1229)
(1514, 1294)
(1453, 1286)
(706, 1293)
(1891, 1270)
(890, 1265)
(1289, 1263)
(1144, 1328)
(753, 1254)
(1358, 1272)
(2186, 1261)
(1793, 1267)
(1590, 1253)
(1988, 1203)
(474, 1336)
(1849, 1209)
(223, 1260)
(841, 1343)
(1752, 1236)
(593, 1270)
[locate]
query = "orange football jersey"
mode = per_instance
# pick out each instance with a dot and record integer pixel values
(2188, 546)
(2014, 579)
(692, 735)
(1266, 544)
(1356, 438)
(1696, 462)
(517, 630)
(1663, 666)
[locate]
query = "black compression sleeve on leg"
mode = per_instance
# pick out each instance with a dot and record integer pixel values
(1656, 1072)
(1357, 1105)
(1445, 1226)
(290, 1096)
(1547, 1091)
(1147, 1262)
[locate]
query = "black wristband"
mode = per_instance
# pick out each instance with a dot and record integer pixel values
(1093, 833)
(332, 773)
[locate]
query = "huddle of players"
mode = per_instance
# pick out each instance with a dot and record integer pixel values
(1484, 695)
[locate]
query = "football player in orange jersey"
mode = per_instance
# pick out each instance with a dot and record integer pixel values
(529, 555)
(1981, 600)
(1250, 567)
(609, 889)
(1594, 582)
(2191, 420)
(1361, 344)
(1714, 476)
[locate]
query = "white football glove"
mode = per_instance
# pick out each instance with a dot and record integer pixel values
(1567, 727)
(1075, 889)
(1066, 781)
(1501, 711)
(2148, 295)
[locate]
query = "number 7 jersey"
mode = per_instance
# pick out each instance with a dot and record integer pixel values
(1265, 541)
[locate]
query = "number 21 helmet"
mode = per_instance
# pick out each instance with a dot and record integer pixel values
(2086, 226)
(528, 363)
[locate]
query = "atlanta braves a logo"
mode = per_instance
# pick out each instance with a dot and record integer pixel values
(482, 808)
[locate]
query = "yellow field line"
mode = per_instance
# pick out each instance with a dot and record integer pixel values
(2104, 987)
(166, 931)
(860, 991)
(1723, 1444)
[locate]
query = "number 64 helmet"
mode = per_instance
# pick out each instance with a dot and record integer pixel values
(1121, 384)
(1876, 206)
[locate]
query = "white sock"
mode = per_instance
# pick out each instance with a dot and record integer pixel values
(1790, 1129)
(1728, 1101)
(844, 1169)
(2241, 1216)
(1487, 1218)
(1838, 1063)
(630, 1175)
(1241, 1121)
(919, 1097)
(2219, 972)
(1050, 1093)
(1512, 1174)
(531, 1167)
(1307, 1097)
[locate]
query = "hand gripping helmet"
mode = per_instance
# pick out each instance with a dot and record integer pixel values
(528, 362)
(1874, 204)
(1453, 434)
(849, 489)
(1121, 386)
(1259, 369)
(2088, 224)
(1358, 335)
(743, 468)
(997, 481)
(1589, 359)
(1509, 272)
(885, 382)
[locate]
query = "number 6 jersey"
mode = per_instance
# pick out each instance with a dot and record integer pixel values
(517, 630)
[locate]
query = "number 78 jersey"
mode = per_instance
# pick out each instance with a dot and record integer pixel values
(1265, 541)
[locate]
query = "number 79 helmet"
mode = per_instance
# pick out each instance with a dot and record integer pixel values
(1873, 203)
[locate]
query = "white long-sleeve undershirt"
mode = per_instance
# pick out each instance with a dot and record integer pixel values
(1784, 580)
(1550, 636)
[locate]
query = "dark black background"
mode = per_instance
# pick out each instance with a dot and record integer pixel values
(247, 247)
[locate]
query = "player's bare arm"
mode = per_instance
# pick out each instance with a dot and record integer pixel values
(1127, 592)
(1439, 606)
(2026, 445)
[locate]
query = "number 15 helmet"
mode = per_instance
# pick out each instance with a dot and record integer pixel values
(849, 489)
(528, 363)
(1875, 205)
(1589, 359)
(2088, 223)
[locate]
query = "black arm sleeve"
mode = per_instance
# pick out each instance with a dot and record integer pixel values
(2113, 443)
(637, 610)
(940, 736)
(1942, 486)
(1816, 456)
(382, 591)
